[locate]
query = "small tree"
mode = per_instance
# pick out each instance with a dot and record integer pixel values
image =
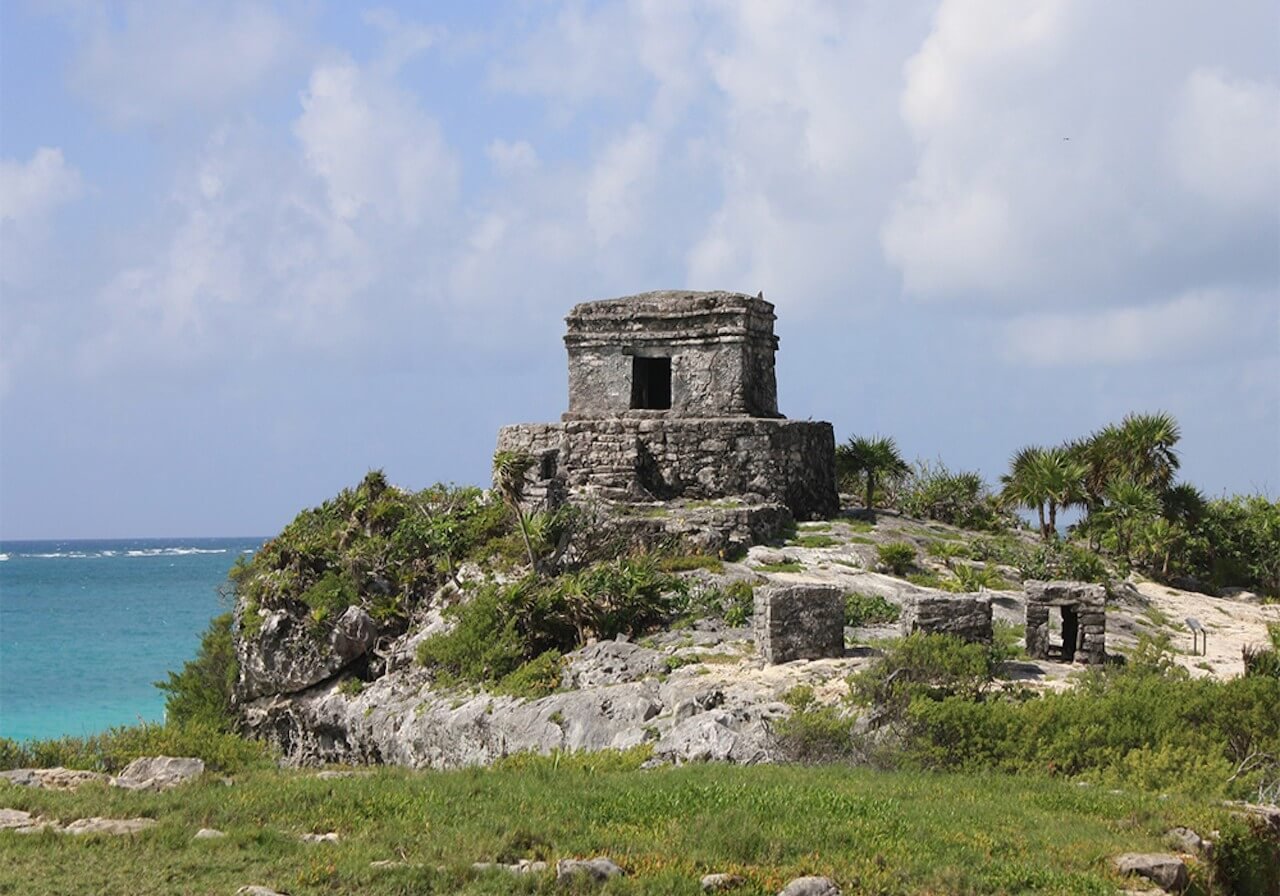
(509, 471)
(873, 459)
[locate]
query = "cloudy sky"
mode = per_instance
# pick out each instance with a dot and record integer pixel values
(249, 250)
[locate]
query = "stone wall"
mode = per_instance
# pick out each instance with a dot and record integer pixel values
(967, 616)
(721, 347)
(788, 462)
(799, 622)
(1084, 620)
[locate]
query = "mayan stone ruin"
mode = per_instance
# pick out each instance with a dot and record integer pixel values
(967, 616)
(673, 395)
(799, 622)
(1083, 609)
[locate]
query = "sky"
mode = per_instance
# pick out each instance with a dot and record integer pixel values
(249, 251)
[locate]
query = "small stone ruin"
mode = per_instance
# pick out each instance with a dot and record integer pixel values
(1083, 616)
(967, 616)
(673, 395)
(799, 622)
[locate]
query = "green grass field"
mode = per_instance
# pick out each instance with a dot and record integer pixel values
(873, 832)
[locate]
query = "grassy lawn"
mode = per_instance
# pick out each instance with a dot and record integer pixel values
(872, 832)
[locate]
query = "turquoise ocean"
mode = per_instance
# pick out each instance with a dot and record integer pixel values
(87, 627)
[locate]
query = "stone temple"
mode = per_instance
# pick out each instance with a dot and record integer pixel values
(673, 395)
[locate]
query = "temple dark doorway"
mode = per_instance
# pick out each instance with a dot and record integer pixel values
(651, 384)
(1070, 633)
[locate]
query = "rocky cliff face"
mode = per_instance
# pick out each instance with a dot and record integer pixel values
(718, 702)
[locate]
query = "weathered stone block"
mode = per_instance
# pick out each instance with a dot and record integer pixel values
(967, 616)
(799, 622)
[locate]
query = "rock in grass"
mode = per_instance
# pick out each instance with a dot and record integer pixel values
(158, 772)
(1164, 870)
(255, 890)
(1188, 841)
(114, 826)
(524, 866)
(57, 778)
(331, 837)
(810, 886)
(600, 868)
(208, 834)
(23, 822)
(717, 883)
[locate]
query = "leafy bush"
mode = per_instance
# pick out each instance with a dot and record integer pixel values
(923, 665)
(688, 562)
(1043, 561)
(973, 578)
(868, 609)
(503, 627)
(536, 678)
(201, 692)
(734, 603)
(382, 547)
(898, 556)
(931, 491)
(1264, 660)
(814, 732)
(1236, 542)
(1143, 724)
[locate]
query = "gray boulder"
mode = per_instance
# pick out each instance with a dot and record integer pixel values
(810, 886)
(285, 656)
(158, 772)
(57, 778)
(718, 883)
(611, 662)
(114, 826)
(600, 868)
(1166, 871)
(208, 834)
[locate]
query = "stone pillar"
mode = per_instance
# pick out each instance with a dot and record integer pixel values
(967, 616)
(799, 622)
(1037, 633)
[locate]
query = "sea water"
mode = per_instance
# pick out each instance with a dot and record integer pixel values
(88, 627)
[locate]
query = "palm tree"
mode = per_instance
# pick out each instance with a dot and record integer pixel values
(509, 471)
(1147, 441)
(874, 457)
(1129, 507)
(1044, 480)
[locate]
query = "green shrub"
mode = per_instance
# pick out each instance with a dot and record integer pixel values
(813, 732)
(974, 578)
(201, 692)
(921, 664)
(503, 627)
(784, 566)
(734, 603)
(538, 677)
(898, 556)
(382, 547)
(1139, 725)
(813, 541)
(931, 491)
(1264, 660)
(111, 750)
(868, 609)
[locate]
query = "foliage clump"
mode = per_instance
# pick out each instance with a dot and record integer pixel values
(376, 545)
(506, 626)
(868, 609)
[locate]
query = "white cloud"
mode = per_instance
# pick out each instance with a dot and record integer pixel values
(1189, 325)
(1225, 140)
(157, 60)
(620, 181)
(373, 148)
(30, 190)
(30, 194)
(512, 156)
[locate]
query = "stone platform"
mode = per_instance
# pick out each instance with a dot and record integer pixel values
(646, 456)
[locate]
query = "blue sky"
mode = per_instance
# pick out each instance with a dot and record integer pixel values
(249, 251)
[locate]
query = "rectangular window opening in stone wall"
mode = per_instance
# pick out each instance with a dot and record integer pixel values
(650, 384)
